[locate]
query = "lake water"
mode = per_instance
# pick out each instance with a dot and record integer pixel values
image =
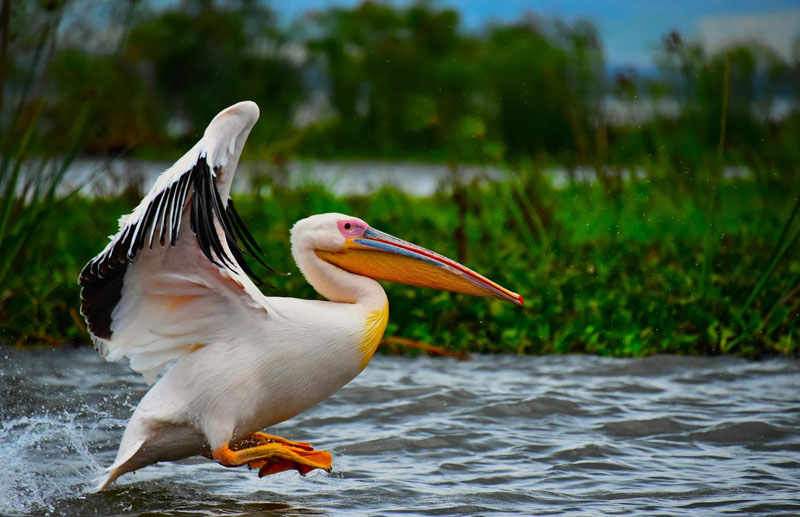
(102, 177)
(98, 177)
(499, 434)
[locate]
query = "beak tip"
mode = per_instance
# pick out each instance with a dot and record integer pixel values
(519, 301)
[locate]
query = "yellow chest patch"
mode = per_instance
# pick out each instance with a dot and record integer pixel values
(374, 328)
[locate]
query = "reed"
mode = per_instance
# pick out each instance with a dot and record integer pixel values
(35, 269)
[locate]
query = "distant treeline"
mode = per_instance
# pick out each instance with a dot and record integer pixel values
(382, 81)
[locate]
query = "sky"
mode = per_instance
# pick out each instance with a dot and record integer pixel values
(631, 30)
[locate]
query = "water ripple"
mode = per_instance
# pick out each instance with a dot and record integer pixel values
(530, 435)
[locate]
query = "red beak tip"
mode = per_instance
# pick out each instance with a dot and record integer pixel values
(519, 300)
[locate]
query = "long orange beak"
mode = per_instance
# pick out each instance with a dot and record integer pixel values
(381, 256)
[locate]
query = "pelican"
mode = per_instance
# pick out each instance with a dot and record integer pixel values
(171, 291)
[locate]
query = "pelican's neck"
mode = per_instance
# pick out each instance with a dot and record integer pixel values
(336, 284)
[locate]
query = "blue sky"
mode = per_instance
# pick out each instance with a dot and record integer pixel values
(630, 29)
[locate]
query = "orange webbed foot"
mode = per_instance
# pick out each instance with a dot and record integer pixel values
(272, 454)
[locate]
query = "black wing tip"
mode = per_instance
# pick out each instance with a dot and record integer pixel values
(99, 295)
(207, 208)
(102, 278)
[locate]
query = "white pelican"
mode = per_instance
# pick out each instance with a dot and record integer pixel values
(171, 287)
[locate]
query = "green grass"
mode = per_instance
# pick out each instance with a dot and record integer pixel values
(614, 268)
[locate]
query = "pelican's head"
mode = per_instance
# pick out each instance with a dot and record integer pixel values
(353, 245)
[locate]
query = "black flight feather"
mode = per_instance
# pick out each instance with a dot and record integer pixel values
(102, 279)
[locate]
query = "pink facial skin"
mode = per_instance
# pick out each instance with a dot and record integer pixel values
(351, 228)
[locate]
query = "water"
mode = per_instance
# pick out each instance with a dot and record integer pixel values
(98, 177)
(502, 434)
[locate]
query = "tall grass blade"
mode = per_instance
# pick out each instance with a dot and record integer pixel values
(768, 273)
(530, 215)
(708, 247)
(786, 226)
(11, 187)
(708, 251)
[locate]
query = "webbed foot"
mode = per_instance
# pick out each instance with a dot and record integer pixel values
(272, 454)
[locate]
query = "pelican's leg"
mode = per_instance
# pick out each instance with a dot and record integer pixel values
(273, 455)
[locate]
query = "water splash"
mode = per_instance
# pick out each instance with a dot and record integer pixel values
(45, 459)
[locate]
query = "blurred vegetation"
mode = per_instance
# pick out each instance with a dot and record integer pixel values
(614, 281)
(662, 252)
(382, 81)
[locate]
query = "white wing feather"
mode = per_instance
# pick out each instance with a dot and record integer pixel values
(166, 283)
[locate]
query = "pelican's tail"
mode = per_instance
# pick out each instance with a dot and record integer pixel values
(120, 466)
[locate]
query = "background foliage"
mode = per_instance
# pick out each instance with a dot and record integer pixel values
(665, 250)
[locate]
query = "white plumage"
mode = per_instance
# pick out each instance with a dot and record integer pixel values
(171, 287)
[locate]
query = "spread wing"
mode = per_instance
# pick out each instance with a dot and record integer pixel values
(174, 278)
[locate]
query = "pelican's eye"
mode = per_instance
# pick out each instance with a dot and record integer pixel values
(351, 228)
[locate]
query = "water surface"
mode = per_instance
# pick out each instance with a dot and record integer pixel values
(499, 434)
